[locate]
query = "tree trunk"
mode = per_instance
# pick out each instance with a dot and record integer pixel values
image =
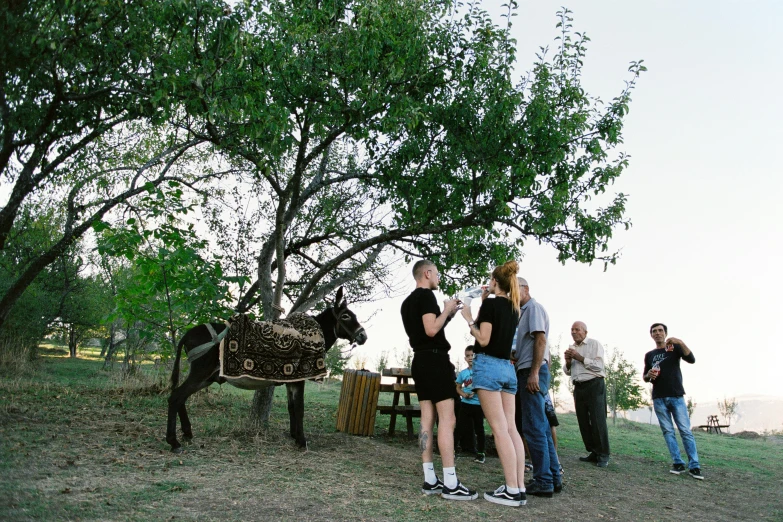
(261, 407)
(110, 350)
(72, 341)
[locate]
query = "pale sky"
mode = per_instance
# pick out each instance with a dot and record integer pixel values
(703, 184)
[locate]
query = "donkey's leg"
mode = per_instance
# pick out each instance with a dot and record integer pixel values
(184, 421)
(200, 377)
(171, 424)
(296, 411)
(187, 429)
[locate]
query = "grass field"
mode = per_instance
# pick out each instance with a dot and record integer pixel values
(78, 443)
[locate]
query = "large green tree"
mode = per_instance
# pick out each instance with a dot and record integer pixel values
(369, 130)
(86, 120)
(372, 127)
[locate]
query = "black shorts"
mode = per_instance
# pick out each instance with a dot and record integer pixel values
(434, 376)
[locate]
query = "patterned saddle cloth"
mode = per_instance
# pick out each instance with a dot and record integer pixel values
(286, 350)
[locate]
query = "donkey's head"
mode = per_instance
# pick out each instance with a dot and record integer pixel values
(346, 326)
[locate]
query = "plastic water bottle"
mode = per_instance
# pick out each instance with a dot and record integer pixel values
(473, 292)
(467, 295)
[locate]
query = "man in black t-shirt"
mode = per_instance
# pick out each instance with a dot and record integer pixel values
(434, 376)
(662, 368)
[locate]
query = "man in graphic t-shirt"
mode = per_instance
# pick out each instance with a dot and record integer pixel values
(662, 369)
(433, 375)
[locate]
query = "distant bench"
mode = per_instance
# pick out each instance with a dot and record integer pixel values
(713, 426)
(403, 387)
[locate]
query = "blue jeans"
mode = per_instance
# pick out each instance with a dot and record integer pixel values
(532, 422)
(666, 409)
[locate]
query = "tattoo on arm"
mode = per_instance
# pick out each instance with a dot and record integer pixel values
(423, 439)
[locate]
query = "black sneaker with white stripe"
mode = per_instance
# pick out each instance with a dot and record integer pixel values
(458, 493)
(696, 473)
(502, 496)
(677, 469)
(432, 489)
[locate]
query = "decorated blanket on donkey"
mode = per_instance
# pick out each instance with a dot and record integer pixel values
(285, 350)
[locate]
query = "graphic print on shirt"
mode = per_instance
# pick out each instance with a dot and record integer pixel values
(658, 359)
(465, 378)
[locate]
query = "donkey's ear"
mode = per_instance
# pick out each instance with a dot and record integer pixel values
(339, 298)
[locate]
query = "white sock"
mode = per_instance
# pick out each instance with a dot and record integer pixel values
(513, 491)
(450, 477)
(429, 473)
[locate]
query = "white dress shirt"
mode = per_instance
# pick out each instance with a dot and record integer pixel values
(592, 367)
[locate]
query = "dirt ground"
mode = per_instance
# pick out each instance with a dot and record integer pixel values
(100, 455)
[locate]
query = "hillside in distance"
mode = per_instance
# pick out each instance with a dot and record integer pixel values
(759, 413)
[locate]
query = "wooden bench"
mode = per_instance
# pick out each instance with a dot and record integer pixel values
(403, 387)
(713, 426)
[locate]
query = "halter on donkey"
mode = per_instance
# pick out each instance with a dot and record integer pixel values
(201, 344)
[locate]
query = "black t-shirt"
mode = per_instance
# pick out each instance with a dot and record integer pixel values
(421, 302)
(669, 381)
(504, 320)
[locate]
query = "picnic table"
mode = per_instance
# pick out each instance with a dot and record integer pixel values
(402, 388)
(713, 425)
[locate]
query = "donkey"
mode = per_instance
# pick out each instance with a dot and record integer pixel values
(336, 322)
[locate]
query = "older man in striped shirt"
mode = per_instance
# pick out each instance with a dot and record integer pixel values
(585, 364)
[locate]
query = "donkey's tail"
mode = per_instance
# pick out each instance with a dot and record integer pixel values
(175, 371)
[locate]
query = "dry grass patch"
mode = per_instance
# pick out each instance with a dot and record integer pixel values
(75, 444)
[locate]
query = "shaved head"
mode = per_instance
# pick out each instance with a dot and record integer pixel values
(426, 274)
(420, 267)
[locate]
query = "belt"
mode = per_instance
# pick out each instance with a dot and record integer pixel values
(588, 381)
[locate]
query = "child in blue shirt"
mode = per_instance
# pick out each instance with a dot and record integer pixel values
(470, 425)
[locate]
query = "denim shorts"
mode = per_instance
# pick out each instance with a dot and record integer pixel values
(493, 374)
